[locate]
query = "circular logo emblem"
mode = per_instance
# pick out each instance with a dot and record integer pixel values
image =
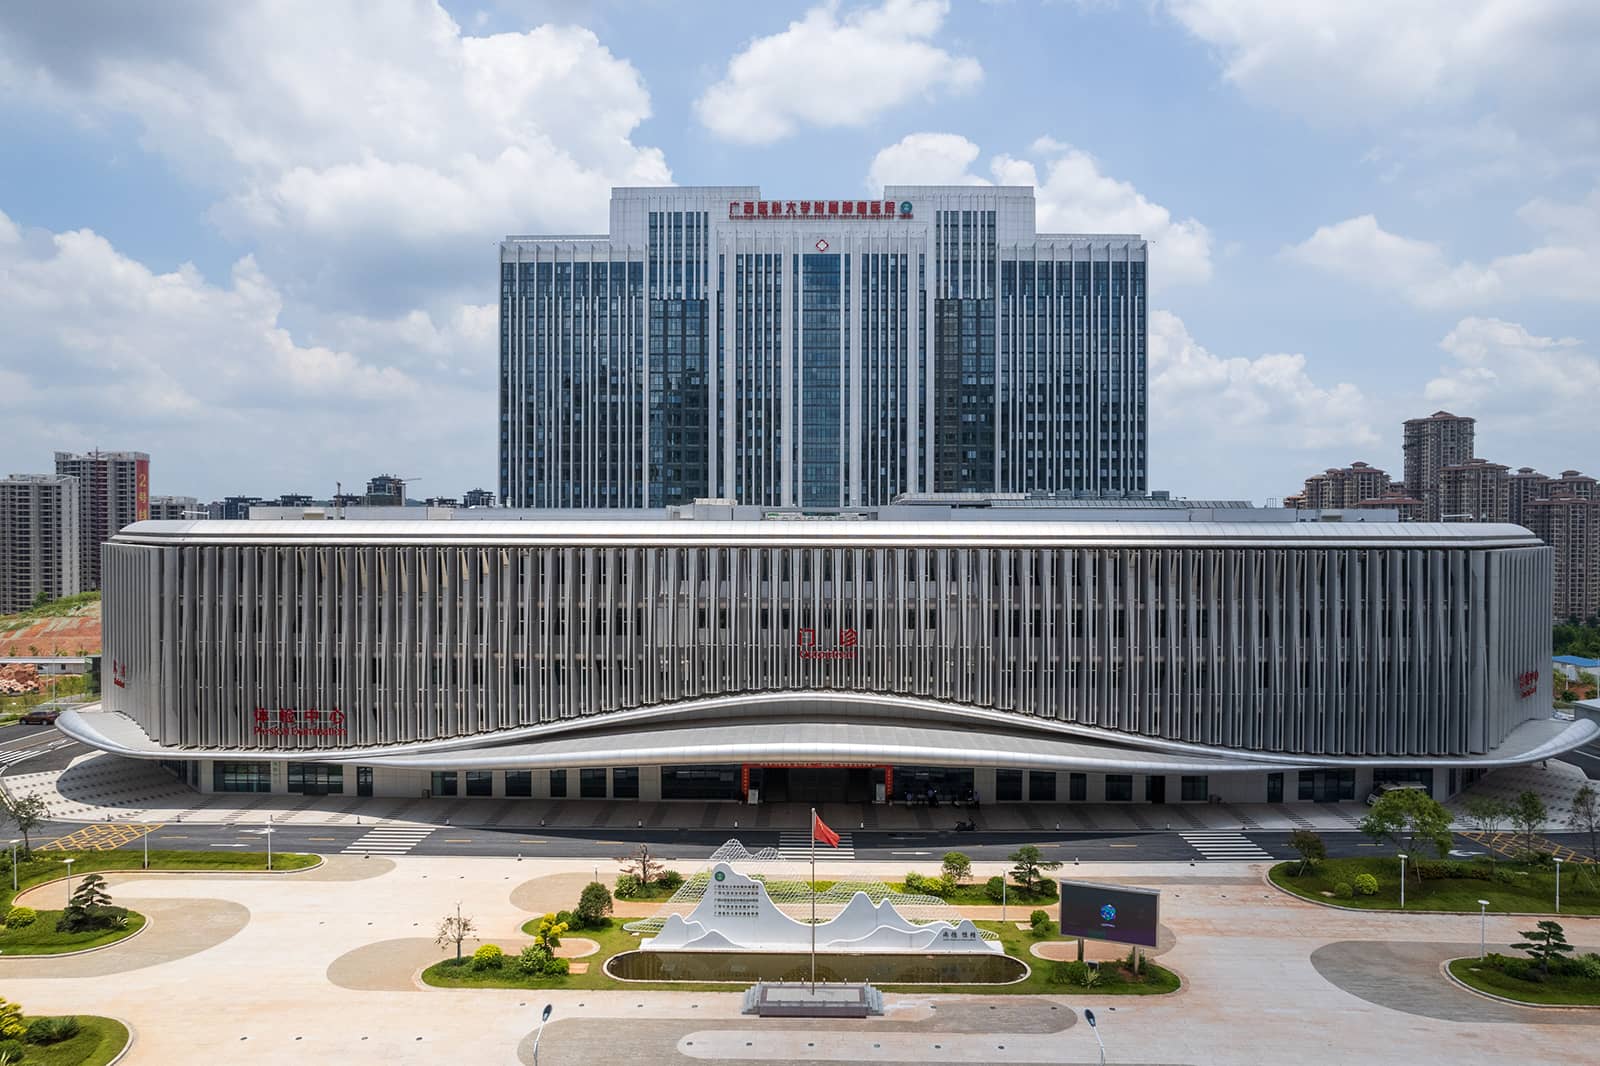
(1108, 913)
(720, 876)
(905, 207)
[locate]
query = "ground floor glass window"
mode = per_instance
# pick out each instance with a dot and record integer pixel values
(1196, 788)
(558, 784)
(316, 779)
(592, 783)
(700, 782)
(444, 782)
(1119, 788)
(1007, 786)
(480, 782)
(519, 783)
(1041, 786)
(241, 777)
(625, 782)
(1077, 787)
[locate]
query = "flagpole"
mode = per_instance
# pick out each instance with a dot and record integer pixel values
(813, 887)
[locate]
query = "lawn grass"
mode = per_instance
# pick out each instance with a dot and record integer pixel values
(977, 894)
(54, 609)
(99, 1040)
(1523, 888)
(45, 866)
(1554, 990)
(614, 940)
(43, 938)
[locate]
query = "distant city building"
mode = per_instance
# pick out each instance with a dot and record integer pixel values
(40, 539)
(820, 353)
(1475, 491)
(1523, 487)
(478, 498)
(1431, 444)
(1572, 483)
(113, 491)
(294, 499)
(1407, 508)
(235, 508)
(176, 509)
(441, 501)
(1570, 524)
(1342, 488)
(386, 490)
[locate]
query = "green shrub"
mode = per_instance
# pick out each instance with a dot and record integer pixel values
(537, 960)
(1069, 973)
(20, 917)
(488, 957)
(12, 1050)
(671, 880)
(51, 1030)
(1040, 921)
(1366, 885)
(927, 886)
(993, 888)
(627, 888)
(1439, 870)
(595, 903)
(1343, 890)
(1587, 966)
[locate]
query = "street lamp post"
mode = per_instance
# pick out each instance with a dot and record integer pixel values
(548, 1007)
(1558, 863)
(69, 863)
(1088, 1016)
(1483, 927)
(145, 839)
(1402, 880)
(269, 842)
(14, 844)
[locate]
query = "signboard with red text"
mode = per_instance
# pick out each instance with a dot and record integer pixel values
(803, 210)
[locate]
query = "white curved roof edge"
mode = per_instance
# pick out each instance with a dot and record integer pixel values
(834, 741)
(853, 706)
(687, 532)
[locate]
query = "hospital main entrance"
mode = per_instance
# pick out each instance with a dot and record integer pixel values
(817, 784)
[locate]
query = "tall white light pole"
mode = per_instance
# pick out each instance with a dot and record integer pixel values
(1402, 880)
(145, 839)
(1558, 863)
(69, 863)
(1088, 1016)
(548, 1007)
(269, 842)
(14, 844)
(1483, 927)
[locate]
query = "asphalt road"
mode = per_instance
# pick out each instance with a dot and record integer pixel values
(1587, 759)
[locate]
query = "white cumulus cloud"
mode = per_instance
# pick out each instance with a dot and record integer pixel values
(1522, 384)
(1073, 195)
(830, 70)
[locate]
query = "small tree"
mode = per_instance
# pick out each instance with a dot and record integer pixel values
(1486, 812)
(1309, 847)
(1585, 816)
(641, 865)
(1527, 818)
(547, 934)
(27, 813)
(1403, 816)
(11, 1024)
(454, 929)
(1544, 944)
(1027, 864)
(593, 905)
(957, 867)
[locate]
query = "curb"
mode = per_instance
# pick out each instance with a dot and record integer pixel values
(119, 1056)
(148, 922)
(321, 859)
(1266, 878)
(1444, 968)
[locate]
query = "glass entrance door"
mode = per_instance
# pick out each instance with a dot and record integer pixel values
(363, 780)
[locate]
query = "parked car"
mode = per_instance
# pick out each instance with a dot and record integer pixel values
(1372, 797)
(41, 716)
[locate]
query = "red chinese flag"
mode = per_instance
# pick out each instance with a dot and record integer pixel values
(821, 833)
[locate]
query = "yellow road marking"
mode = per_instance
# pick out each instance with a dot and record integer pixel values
(1124, 845)
(458, 840)
(319, 838)
(101, 837)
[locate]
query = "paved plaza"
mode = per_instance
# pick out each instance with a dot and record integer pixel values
(244, 968)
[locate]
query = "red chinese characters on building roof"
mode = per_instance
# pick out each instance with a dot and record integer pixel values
(798, 210)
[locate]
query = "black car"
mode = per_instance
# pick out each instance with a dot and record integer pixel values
(41, 716)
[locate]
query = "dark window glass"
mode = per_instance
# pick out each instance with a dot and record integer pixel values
(241, 777)
(558, 784)
(1119, 788)
(444, 782)
(316, 779)
(1078, 787)
(1196, 788)
(480, 782)
(1041, 786)
(519, 782)
(592, 783)
(1007, 786)
(700, 782)
(625, 782)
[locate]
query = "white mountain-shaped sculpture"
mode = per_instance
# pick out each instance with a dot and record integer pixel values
(737, 914)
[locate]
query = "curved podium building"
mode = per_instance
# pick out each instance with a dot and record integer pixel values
(850, 659)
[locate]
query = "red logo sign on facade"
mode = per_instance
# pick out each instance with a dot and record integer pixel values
(1528, 683)
(286, 722)
(799, 210)
(119, 673)
(141, 490)
(845, 649)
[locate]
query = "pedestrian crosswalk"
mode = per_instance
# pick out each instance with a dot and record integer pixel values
(389, 840)
(796, 845)
(11, 756)
(1226, 847)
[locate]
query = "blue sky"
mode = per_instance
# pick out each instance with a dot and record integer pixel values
(258, 240)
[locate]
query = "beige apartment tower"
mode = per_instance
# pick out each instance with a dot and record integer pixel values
(1431, 444)
(39, 539)
(113, 491)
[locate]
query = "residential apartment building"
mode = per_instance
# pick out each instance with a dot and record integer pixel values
(1339, 488)
(1570, 524)
(1522, 488)
(175, 509)
(1431, 444)
(1475, 491)
(113, 491)
(39, 539)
